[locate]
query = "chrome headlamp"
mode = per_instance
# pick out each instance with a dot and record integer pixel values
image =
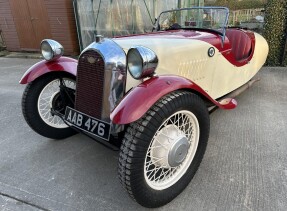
(141, 61)
(51, 49)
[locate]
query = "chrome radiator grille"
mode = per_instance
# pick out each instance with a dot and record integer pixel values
(90, 84)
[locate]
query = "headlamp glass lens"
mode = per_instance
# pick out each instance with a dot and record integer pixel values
(135, 63)
(46, 50)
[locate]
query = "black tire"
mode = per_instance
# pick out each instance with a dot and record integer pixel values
(137, 140)
(30, 107)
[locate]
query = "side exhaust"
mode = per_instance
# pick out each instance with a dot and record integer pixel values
(234, 93)
(241, 89)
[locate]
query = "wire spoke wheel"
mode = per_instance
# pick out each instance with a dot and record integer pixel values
(171, 150)
(162, 151)
(43, 95)
(50, 98)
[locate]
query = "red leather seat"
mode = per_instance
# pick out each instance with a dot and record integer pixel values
(240, 42)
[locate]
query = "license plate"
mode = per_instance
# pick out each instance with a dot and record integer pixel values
(87, 123)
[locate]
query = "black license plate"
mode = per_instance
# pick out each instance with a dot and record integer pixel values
(87, 123)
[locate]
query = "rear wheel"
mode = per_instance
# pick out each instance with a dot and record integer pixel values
(43, 96)
(161, 151)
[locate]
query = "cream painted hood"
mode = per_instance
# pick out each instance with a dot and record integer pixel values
(184, 57)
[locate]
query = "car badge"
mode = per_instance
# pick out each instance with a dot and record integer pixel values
(211, 52)
(91, 60)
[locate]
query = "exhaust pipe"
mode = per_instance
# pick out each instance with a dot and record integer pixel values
(234, 93)
(241, 89)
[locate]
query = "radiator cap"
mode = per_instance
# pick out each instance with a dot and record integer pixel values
(99, 38)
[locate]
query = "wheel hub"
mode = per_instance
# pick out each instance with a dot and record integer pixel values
(49, 98)
(57, 103)
(169, 148)
(54, 99)
(178, 152)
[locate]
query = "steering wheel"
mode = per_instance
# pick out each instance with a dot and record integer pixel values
(174, 26)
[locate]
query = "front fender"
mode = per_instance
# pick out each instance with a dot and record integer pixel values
(139, 100)
(62, 64)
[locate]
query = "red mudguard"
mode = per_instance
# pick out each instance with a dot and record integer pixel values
(139, 100)
(62, 64)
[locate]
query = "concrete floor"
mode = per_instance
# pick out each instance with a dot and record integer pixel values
(244, 168)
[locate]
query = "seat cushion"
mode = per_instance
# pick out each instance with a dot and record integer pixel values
(240, 42)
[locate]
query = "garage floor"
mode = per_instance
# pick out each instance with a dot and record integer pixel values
(244, 168)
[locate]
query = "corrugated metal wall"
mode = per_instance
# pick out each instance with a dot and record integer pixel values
(7, 25)
(61, 24)
(31, 20)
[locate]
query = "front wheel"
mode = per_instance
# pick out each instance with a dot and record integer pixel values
(161, 151)
(43, 96)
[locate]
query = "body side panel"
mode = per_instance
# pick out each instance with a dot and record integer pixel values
(228, 77)
(209, 37)
(189, 58)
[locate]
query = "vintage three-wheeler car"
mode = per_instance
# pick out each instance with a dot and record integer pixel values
(150, 94)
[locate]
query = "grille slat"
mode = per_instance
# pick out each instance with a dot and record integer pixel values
(90, 84)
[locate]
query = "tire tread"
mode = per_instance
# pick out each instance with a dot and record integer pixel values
(135, 141)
